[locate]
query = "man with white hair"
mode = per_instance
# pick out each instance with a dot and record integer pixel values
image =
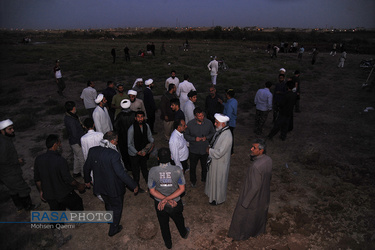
(213, 67)
(218, 162)
(10, 168)
(135, 103)
(150, 105)
(101, 116)
(138, 86)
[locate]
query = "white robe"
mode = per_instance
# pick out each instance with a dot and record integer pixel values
(217, 176)
(102, 120)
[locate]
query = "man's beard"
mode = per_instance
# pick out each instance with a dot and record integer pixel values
(173, 77)
(121, 91)
(10, 135)
(219, 127)
(132, 100)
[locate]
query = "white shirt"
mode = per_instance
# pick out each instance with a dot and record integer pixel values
(89, 140)
(263, 99)
(170, 80)
(102, 120)
(58, 74)
(213, 66)
(178, 147)
(89, 95)
(183, 90)
(188, 110)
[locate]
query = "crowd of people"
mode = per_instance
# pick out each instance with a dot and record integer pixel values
(116, 139)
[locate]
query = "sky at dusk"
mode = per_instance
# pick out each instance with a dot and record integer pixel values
(72, 14)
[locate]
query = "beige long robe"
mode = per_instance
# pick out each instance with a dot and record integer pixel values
(250, 215)
(217, 176)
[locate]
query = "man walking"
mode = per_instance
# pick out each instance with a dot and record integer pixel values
(110, 178)
(166, 183)
(88, 96)
(75, 131)
(198, 133)
(91, 138)
(250, 215)
(213, 67)
(178, 145)
(101, 116)
(219, 152)
(10, 169)
(263, 102)
(140, 144)
(59, 79)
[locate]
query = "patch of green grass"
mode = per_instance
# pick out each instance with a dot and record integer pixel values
(55, 110)
(35, 150)
(24, 122)
(40, 138)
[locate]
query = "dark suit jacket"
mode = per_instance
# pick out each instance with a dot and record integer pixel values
(149, 102)
(110, 176)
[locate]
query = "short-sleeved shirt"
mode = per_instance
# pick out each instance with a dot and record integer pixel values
(166, 179)
(52, 170)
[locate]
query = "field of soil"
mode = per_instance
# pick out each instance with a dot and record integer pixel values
(323, 174)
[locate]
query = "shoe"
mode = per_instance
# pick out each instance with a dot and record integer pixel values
(119, 228)
(168, 245)
(32, 207)
(187, 233)
(77, 175)
(193, 185)
(213, 203)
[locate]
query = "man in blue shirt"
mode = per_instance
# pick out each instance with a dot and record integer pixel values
(263, 102)
(230, 110)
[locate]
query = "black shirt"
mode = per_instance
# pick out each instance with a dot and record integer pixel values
(52, 170)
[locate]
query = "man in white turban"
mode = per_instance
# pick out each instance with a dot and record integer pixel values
(101, 116)
(138, 86)
(136, 104)
(218, 162)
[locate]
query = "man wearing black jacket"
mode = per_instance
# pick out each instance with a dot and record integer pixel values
(286, 113)
(110, 177)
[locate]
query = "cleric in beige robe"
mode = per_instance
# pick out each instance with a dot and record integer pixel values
(250, 215)
(219, 151)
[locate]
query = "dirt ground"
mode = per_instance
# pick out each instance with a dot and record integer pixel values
(322, 185)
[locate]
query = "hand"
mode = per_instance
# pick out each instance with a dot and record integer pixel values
(197, 139)
(81, 188)
(136, 190)
(139, 153)
(172, 203)
(220, 101)
(21, 161)
(166, 118)
(203, 138)
(41, 196)
(208, 150)
(161, 204)
(88, 185)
